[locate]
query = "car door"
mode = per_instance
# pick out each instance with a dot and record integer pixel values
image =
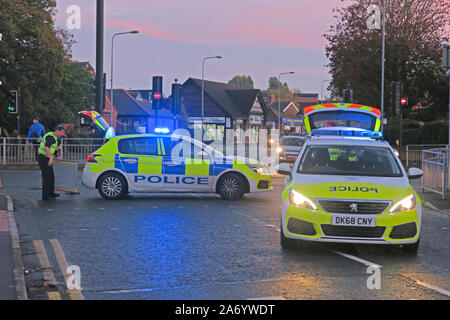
(186, 166)
(142, 163)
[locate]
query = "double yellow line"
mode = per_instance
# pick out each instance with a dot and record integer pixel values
(49, 277)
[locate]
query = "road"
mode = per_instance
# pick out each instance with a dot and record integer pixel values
(200, 247)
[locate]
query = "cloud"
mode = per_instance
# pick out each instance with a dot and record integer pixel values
(150, 31)
(272, 36)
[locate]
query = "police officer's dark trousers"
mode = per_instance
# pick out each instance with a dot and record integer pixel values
(48, 177)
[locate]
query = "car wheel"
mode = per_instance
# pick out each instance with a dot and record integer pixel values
(112, 186)
(411, 248)
(287, 243)
(231, 187)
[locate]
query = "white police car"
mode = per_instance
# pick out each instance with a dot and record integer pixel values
(170, 163)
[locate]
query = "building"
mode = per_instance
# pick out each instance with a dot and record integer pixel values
(291, 120)
(225, 107)
(303, 100)
(133, 113)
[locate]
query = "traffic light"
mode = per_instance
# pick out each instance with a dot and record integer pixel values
(13, 101)
(348, 95)
(157, 92)
(176, 98)
(396, 97)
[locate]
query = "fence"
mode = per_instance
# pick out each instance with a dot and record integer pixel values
(18, 151)
(414, 153)
(435, 168)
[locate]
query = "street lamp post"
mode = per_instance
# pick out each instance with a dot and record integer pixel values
(112, 69)
(279, 97)
(203, 87)
(321, 88)
(383, 58)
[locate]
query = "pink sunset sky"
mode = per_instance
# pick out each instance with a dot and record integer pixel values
(260, 38)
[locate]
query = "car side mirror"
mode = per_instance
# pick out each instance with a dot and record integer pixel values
(284, 169)
(415, 173)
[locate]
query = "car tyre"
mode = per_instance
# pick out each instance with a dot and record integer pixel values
(287, 243)
(411, 248)
(231, 186)
(112, 186)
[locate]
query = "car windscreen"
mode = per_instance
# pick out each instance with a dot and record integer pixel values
(326, 119)
(292, 142)
(354, 160)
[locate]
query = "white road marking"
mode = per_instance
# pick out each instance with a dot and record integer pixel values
(354, 258)
(430, 286)
(360, 260)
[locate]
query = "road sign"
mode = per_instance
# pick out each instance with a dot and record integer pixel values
(157, 95)
(404, 101)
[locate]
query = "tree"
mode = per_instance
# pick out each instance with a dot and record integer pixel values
(414, 32)
(244, 82)
(274, 89)
(36, 57)
(76, 94)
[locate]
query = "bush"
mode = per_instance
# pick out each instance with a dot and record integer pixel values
(435, 132)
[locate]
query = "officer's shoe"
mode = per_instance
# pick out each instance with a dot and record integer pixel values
(54, 196)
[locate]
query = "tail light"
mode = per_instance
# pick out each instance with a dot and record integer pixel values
(91, 158)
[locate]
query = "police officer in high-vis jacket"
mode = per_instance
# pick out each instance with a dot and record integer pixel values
(48, 150)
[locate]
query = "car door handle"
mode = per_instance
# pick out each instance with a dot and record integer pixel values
(130, 161)
(172, 164)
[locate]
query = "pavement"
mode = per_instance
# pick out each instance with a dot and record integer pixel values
(431, 199)
(7, 291)
(191, 246)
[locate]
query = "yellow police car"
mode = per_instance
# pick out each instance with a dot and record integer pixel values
(170, 163)
(347, 185)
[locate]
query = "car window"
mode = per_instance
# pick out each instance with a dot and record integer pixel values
(140, 146)
(326, 119)
(178, 147)
(349, 160)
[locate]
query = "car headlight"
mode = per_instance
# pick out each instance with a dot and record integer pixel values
(299, 200)
(406, 204)
(280, 150)
(254, 168)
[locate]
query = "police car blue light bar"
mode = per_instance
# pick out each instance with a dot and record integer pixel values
(347, 133)
(162, 130)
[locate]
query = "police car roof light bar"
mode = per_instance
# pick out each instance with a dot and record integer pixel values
(348, 133)
(162, 130)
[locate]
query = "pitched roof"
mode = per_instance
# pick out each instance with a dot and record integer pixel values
(217, 91)
(145, 94)
(283, 106)
(125, 104)
(271, 115)
(243, 98)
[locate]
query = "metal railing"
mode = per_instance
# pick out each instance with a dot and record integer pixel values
(436, 171)
(18, 151)
(414, 153)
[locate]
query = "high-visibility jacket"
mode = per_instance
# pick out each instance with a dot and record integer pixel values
(53, 148)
